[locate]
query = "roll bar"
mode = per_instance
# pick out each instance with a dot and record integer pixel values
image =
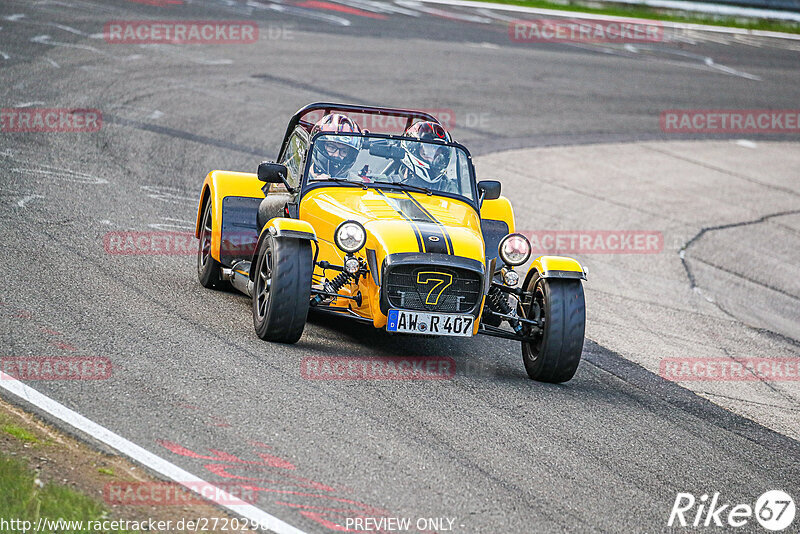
(330, 107)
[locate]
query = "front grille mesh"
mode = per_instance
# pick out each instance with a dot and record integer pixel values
(403, 291)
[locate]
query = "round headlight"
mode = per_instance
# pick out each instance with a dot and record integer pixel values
(350, 236)
(352, 265)
(514, 249)
(511, 278)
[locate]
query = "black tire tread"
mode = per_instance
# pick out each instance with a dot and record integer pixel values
(290, 291)
(564, 335)
(209, 276)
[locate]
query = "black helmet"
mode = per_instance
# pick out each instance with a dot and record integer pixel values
(336, 154)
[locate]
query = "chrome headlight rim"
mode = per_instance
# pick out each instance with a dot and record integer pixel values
(511, 278)
(351, 249)
(501, 246)
(352, 265)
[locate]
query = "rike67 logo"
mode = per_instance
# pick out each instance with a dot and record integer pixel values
(774, 511)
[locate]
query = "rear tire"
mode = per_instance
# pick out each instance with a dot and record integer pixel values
(556, 353)
(208, 269)
(282, 289)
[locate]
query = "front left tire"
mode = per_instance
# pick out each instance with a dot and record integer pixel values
(282, 289)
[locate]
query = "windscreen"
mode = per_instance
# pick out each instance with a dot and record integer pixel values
(422, 165)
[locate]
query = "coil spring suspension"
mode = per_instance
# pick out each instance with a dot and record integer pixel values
(498, 302)
(334, 285)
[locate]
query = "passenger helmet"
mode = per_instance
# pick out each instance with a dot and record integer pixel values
(428, 161)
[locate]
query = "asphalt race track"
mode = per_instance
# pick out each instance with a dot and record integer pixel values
(605, 452)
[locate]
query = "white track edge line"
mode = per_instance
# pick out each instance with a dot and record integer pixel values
(138, 454)
(594, 16)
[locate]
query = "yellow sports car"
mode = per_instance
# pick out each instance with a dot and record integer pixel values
(390, 229)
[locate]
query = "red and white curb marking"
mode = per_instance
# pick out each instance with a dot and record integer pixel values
(592, 16)
(138, 454)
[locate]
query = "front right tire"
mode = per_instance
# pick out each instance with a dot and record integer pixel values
(282, 289)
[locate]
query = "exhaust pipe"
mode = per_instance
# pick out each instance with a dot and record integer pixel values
(240, 277)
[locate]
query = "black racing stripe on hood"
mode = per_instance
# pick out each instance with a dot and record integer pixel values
(398, 208)
(431, 234)
(434, 238)
(449, 248)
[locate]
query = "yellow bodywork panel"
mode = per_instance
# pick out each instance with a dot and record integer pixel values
(217, 186)
(499, 210)
(396, 222)
(284, 225)
(545, 264)
(397, 218)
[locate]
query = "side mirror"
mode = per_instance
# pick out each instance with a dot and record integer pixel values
(272, 173)
(489, 189)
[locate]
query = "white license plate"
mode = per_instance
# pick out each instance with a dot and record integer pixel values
(437, 324)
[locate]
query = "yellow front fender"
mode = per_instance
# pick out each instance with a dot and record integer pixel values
(557, 267)
(285, 227)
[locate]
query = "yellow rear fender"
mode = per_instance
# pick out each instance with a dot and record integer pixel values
(216, 187)
(555, 267)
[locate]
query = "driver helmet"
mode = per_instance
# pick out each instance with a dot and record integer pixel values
(427, 161)
(335, 155)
